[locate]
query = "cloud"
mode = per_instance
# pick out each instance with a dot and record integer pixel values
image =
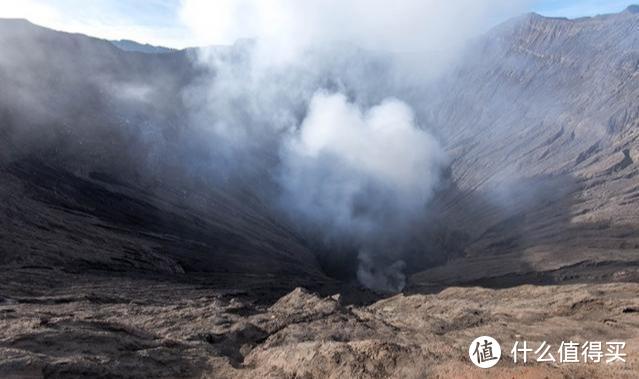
(35, 11)
(154, 22)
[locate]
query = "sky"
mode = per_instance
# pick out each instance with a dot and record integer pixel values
(170, 22)
(579, 8)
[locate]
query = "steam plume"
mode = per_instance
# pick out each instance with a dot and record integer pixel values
(360, 174)
(327, 84)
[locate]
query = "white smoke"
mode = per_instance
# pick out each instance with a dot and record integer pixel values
(361, 174)
(288, 26)
(343, 156)
(324, 83)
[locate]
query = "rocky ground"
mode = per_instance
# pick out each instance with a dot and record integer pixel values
(140, 328)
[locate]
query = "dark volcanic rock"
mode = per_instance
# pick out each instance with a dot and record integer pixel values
(541, 122)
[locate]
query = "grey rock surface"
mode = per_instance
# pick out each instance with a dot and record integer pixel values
(156, 328)
(540, 121)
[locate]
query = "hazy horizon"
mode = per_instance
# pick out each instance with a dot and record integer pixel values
(178, 24)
